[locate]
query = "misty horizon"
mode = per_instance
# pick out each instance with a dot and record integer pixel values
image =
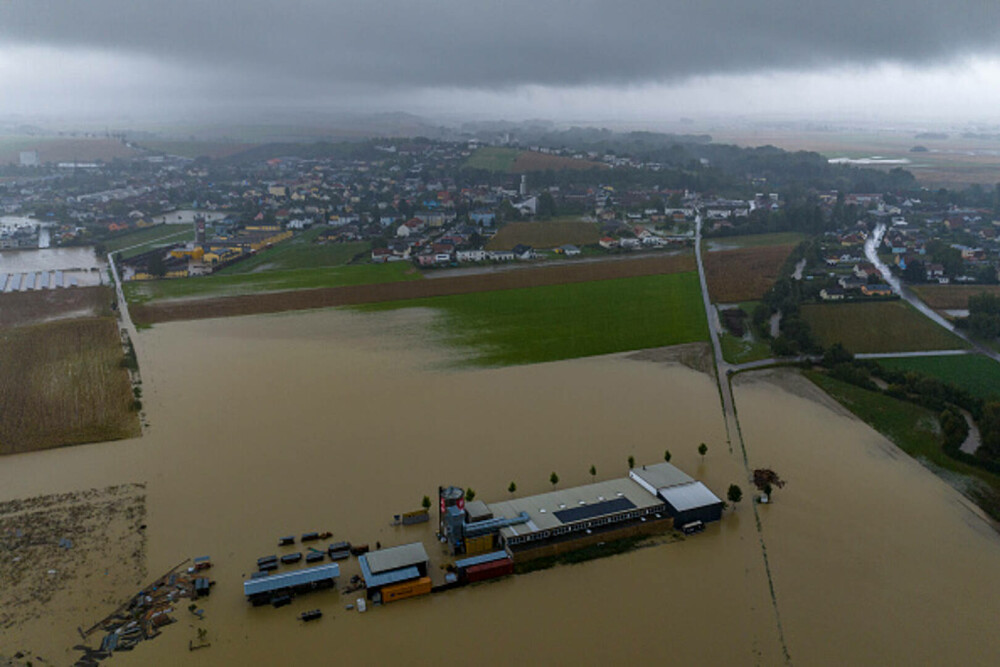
(646, 62)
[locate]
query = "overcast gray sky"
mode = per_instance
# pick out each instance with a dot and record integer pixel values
(576, 59)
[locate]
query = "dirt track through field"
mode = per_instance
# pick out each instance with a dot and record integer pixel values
(274, 302)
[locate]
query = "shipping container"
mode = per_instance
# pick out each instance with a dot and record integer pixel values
(491, 570)
(478, 545)
(407, 589)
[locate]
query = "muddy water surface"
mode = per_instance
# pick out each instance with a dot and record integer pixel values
(331, 420)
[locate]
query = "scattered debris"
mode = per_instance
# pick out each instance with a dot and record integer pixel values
(145, 613)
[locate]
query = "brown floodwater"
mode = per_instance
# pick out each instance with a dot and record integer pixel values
(334, 420)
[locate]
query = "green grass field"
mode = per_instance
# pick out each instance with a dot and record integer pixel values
(546, 234)
(148, 238)
(913, 429)
(754, 240)
(540, 324)
(493, 159)
(877, 326)
(268, 281)
(738, 351)
(299, 252)
(975, 373)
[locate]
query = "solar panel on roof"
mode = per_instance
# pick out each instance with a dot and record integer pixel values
(602, 508)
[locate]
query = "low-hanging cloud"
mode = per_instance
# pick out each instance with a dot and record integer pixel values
(323, 44)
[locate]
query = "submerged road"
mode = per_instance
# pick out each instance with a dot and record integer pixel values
(723, 371)
(722, 368)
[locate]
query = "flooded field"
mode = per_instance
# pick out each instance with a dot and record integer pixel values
(331, 420)
(49, 268)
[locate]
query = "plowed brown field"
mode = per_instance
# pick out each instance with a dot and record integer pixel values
(956, 297)
(745, 274)
(273, 302)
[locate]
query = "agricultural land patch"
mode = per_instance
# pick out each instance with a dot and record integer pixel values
(554, 322)
(879, 326)
(300, 252)
(949, 297)
(514, 161)
(978, 375)
(352, 295)
(717, 243)
(744, 274)
(38, 306)
(63, 383)
(220, 285)
(548, 234)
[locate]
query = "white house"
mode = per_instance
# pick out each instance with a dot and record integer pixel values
(471, 255)
(501, 255)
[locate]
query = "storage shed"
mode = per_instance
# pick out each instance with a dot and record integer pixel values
(387, 567)
(692, 502)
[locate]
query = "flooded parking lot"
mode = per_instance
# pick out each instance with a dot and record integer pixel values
(333, 420)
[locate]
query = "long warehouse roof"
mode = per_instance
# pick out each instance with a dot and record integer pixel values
(288, 579)
(551, 510)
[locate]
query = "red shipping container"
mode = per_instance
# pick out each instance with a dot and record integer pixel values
(491, 570)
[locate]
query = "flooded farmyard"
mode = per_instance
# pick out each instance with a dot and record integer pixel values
(335, 421)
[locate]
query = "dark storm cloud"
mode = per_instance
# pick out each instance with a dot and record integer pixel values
(322, 45)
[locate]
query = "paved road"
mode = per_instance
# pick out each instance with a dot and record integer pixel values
(897, 285)
(722, 368)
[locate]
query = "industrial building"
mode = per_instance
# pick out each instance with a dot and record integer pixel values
(396, 573)
(652, 499)
(264, 590)
(687, 499)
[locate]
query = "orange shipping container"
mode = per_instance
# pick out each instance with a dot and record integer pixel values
(407, 589)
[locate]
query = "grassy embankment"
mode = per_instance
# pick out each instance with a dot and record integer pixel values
(916, 431)
(539, 324)
(877, 326)
(62, 383)
(148, 238)
(299, 252)
(547, 234)
(268, 281)
(978, 375)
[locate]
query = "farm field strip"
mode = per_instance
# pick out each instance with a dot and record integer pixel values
(267, 281)
(375, 292)
(38, 306)
(299, 252)
(951, 297)
(146, 235)
(744, 274)
(754, 240)
(63, 384)
(877, 326)
(548, 234)
(549, 323)
(975, 373)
